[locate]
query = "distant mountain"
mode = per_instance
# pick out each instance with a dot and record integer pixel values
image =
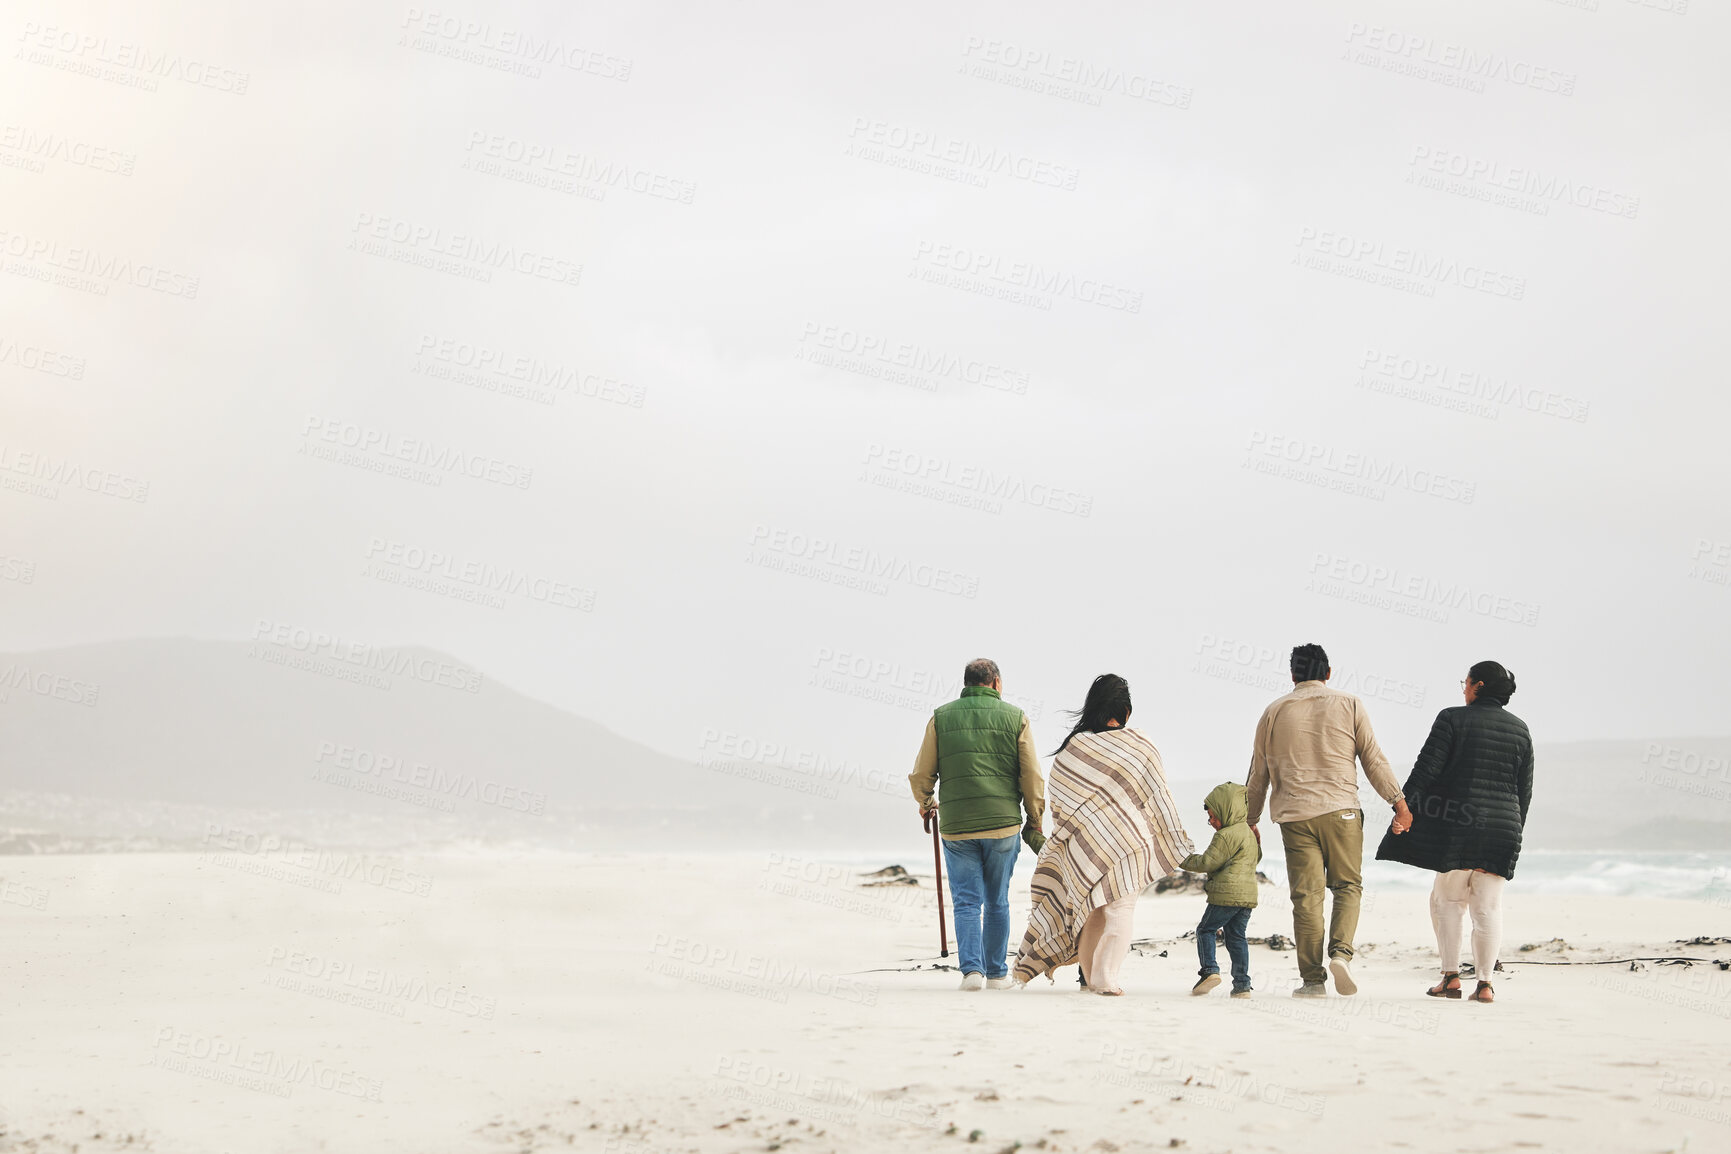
(148, 744)
(364, 745)
(1663, 793)
(1675, 835)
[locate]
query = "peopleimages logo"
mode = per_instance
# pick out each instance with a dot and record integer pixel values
(865, 351)
(41, 360)
(772, 972)
(389, 447)
(1240, 662)
(1056, 73)
(494, 369)
(1366, 258)
(433, 29)
(1684, 760)
(1711, 561)
(314, 644)
(874, 139)
(861, 667)
(1024, 275)
(866, 564)
(38, 147)
(41, 253)
(98, 56)
(238, 1062)
(480, 575)
(553, 160)
(1390, 587)
(1356, 466)
(1387, 371)
(1249, 664)
(746, 1083)
(424, 244)
(744, 755)
(270, 855)
(17, 569)
(399, 770)
(975, 480)
(16, 678)
(48, 472)
(1544, 187)
(388, 986)
(1403, 52)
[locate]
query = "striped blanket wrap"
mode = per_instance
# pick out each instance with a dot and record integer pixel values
(1115, 831)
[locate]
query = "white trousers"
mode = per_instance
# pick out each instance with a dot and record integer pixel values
(1453, 896)
(1105, 942)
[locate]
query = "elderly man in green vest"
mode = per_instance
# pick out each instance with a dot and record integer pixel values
(979, 752)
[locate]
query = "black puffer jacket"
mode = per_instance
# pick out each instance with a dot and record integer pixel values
(1469, 792)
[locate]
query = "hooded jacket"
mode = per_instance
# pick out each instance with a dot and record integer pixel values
(1230, 859)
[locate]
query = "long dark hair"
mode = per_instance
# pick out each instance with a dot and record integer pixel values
(1108, 700)
(1497, 684)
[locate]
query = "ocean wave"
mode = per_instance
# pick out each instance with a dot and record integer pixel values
(1675, 876)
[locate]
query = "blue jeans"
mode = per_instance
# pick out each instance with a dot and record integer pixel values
(980, 884)
(1234, 920)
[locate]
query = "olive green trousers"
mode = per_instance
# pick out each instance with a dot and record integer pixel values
(1324, 852)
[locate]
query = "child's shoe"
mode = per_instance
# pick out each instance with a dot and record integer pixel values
(1206, 983)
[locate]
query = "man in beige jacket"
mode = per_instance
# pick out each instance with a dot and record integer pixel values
(1306, 745)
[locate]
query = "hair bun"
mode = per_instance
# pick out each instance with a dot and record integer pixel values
(1496, 681)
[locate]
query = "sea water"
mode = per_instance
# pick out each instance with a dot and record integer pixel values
(1697, 876)
(1604, 873)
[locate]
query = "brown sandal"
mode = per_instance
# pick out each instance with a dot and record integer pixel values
(1449, 987)
(1484, 994)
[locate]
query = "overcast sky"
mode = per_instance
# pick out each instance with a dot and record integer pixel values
(777, 362)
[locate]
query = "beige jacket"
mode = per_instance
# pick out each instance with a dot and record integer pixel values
(1306, 744)
(924, 780)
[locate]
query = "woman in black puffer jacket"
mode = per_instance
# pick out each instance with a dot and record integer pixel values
(1469, 792)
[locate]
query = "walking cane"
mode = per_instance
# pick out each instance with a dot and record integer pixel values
(938, 864)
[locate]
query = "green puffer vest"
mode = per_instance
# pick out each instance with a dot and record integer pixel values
(978, 777)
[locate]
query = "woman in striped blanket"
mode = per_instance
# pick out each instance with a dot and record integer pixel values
(1115, 831)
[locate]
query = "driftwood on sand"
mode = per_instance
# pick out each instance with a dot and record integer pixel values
(1185, 882)
(891, 875)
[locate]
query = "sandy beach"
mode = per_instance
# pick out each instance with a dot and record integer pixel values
(510, 512)
(277, 1001)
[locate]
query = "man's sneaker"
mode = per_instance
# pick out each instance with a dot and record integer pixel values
(974, 982)
(1244, 993)
(1206, 983)
(1000, 983)
(1341, 968)
(1311, 990)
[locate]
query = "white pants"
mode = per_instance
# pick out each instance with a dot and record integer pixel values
(1452, 897)
(1105, 942)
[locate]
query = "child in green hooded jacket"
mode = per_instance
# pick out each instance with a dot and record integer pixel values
(1230, 863)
